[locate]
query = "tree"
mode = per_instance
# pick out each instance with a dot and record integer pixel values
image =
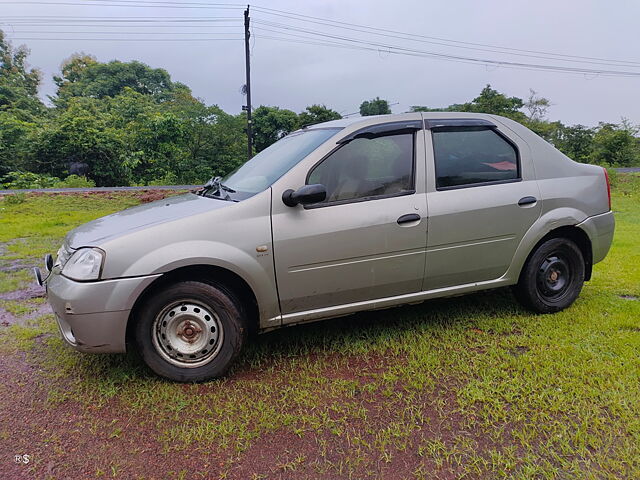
(493, 102)
(489, 101)
(616, 145)
(18, 83)
(317, 114)
(422, 108)
(537, 106)
(83, 76)
(270, 124)
(14, 142)
(81, 133)
(377, 106)
(576, 141)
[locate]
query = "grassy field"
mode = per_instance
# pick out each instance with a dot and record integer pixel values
(470, 387)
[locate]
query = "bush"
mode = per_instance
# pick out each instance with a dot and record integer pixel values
(15, 199)
(168, 178)
(75, 181)
(17, 180)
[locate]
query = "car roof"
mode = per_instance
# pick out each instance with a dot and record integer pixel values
(372, 119)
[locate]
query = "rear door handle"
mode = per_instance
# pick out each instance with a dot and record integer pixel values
(408, 218)
(527, 201)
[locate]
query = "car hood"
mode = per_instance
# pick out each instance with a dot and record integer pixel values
(136, 218)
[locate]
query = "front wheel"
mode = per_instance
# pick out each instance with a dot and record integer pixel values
(190, 331)
(552, 278)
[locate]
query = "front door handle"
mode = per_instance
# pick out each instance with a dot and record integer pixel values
(527, 201)
(408, 218)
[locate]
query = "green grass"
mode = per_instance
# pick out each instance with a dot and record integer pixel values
(38, 225)
(467, 387)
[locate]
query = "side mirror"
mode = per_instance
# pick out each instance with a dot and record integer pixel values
(304, 195)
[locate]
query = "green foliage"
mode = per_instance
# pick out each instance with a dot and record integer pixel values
(75, 181)
(82, 133)
(489, 101)
(576, 141)
(616, 145)
(18, 83)
(270, 124)
(317, 114)
(83, 76)
(128, 123)
(607, 144)
(15, 199)
(14, 141)
(377, 106)
(19, 180)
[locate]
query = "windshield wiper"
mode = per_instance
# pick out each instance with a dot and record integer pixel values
(215, 184)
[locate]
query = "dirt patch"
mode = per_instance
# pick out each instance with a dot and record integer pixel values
(147, 196)
(519, 350)
(6, 318)
(32, 291)
(628, 297)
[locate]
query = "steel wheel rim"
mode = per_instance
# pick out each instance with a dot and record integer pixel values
(554, 276)
(187, 334)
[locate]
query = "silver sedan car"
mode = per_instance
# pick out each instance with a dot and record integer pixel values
(350, 215)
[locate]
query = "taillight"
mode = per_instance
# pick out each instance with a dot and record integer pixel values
(606, 176)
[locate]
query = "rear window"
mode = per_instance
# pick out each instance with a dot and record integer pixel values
(466, 156)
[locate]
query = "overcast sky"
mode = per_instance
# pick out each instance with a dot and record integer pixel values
(294, 75)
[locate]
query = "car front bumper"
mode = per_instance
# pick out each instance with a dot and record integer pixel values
(93, 316)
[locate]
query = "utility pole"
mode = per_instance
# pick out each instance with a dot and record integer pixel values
(247, 107)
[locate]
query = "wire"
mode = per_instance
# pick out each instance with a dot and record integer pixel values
(133, 39)
(315, 32)
(130, 5)
(337, 24)
(315, 37)
(476, 62)
(125, 33)
(384, 32)
(399, 49)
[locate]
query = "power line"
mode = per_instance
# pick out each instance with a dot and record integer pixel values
(124, 33)
(335, 24)
(132, 39)
(545, 57)
(391, 52)
(485, 61)
(321, 38)
(221, 6)
(350, 26)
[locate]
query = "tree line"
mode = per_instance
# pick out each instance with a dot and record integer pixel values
(125, 123)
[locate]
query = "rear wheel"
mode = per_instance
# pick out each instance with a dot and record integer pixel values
(552, 277)
(190, 331)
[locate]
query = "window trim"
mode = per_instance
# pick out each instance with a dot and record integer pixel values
(476, 184)
(411, 191)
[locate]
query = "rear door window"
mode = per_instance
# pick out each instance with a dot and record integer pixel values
(468, 156)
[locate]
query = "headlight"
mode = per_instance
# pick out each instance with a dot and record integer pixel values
(63, 256)
(84, 264)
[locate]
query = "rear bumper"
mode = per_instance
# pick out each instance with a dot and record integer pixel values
(600, 229)
(93, 316)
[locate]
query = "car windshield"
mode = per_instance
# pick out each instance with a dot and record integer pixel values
(270, 164)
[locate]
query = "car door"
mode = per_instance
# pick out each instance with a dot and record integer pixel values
(367, 239)
(482, 197)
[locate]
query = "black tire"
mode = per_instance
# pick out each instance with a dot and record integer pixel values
(190, 331)
(552, 278)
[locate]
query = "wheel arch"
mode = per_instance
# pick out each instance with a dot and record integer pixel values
(576, 235)
(230, 281)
